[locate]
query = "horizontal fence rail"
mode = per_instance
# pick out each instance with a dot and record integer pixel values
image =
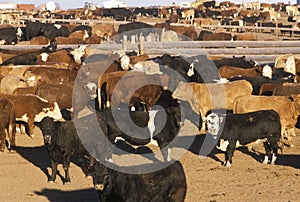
(261, 51)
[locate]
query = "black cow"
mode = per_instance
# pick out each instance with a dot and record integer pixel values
(134, 28)
(246, 128)
(51, 31)
(83, 27)
(33, 29)
(256, 82)
(168, 184)
(251, 19)
(235, 62)
(8, 36)
(62, 142)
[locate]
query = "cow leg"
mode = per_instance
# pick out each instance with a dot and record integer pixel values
(66, 165)
(11, 132)
(31, 126)
(54, 171)
(2, 141)
(229, 153)
(268, 152)
(166, 153)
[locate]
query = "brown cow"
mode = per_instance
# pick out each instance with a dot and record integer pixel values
(7, 123)
(218, 37)
(25, 90)
(31, 108)
(58, 57)
(39, 40)
(287, 109)
(201, 101)
(128, 81)
(60, 93)
(228, 71)
(38, 75)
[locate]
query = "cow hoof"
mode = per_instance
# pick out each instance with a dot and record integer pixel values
(292, 145)
(265, 162)
(66, 183)
(50, 181)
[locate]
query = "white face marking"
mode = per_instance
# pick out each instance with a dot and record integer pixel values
(31, 81)
(191, 70)
(78, 53)
(54, 113)
(213, 124)
(44, 56)
(125, 62)
(58, 26)
(267, 71)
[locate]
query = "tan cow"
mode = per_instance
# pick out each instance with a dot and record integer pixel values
(206, 97)
(287, 109)
(103, 30)
(188, 15)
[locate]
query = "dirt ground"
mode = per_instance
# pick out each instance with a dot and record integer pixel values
(24, 175)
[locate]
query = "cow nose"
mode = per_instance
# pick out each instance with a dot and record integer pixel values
(99, 187)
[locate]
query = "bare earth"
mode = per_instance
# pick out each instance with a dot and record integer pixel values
(23, 175)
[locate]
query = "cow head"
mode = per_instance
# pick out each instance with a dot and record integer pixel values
(19, 33)
(267, 71)
(213, 124)
(52, 111)
(48, 127)
(44, 56)
(125, 62)
(78, 53)
(102, 180)
(91, 89)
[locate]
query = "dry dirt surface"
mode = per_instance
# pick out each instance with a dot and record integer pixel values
(24, 174)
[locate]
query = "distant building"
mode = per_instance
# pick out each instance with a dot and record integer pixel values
(185, 4)
(114, 4)
(7, 6)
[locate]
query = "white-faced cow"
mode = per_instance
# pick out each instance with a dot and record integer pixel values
(236, 129)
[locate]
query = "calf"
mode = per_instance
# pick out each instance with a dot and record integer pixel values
(61, 141)
(246, 128)
(168, 184)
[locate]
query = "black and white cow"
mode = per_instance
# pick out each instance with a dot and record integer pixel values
(168, 184)
(156, 125)
(241, 129)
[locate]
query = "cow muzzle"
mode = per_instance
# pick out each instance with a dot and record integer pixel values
(99, 187)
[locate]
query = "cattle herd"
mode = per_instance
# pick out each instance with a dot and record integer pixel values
(141, 99)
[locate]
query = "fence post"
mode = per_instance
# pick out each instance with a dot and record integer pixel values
(124, 43)
(142, 45)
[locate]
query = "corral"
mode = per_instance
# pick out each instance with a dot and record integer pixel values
(25, 171)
